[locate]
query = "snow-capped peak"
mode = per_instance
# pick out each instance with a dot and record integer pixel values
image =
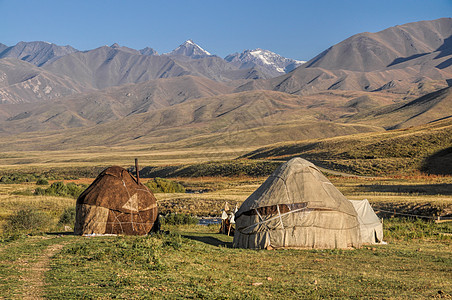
(190, 49)
(269, 60)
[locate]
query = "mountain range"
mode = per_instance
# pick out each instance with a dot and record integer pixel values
(116, 65)
(56, 97)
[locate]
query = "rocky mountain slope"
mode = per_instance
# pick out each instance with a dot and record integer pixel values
(2, 47)
(22, 82)
(108, 105)
(368, 52)
(37, 53)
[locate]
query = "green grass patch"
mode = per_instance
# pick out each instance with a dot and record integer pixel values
(410, 229)
(198, 263)
(195, 262)
(16, 257)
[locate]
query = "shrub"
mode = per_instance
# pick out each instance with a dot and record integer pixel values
(17, 178)
(229, 168)
(160, 185)
(26, 221)
(60, 189)
(39, 191)
(42, 181)
(67, 217)
(178, 219)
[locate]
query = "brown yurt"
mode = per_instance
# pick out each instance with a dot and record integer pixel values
(297, 207)
(116, 203)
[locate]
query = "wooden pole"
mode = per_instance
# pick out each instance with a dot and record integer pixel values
(138, 171)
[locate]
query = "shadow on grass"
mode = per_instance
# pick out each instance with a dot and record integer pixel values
(422, 189)
(209, 240)
(60, 233)
(439, 163)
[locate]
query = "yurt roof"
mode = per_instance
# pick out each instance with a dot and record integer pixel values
(297, 184)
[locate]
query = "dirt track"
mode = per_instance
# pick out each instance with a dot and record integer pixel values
(33, 275)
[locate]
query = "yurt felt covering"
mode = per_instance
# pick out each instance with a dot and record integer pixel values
(297, 207)
(371, 227)
(115, 203)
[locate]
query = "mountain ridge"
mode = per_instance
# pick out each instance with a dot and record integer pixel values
(193, 98)
(37, 53)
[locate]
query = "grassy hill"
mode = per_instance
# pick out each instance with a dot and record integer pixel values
(428, 108)
(249, 118)
(390, 152)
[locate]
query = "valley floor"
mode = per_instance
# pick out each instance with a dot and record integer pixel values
(196, 262)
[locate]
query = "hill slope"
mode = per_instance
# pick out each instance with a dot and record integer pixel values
(426, 109)
(368, 52)
(235, 120)
(391, 152)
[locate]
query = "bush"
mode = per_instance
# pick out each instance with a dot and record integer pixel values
(42, 181)
(67, 217)
(229, 168)
(160, 185)
(26, 221)
(17, 178)
(178, 219)
(39, 191)
(60, 189)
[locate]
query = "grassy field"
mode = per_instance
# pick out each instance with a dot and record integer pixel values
(422, 195)
(196, 262)
(413, 150)
(29, 161)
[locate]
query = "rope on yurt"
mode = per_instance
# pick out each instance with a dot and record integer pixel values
(279, 214)
(262, 219)
(263, 222)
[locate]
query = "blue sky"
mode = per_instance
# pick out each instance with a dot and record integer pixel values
(296, 29)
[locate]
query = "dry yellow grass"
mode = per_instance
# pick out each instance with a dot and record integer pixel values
(107, 156)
